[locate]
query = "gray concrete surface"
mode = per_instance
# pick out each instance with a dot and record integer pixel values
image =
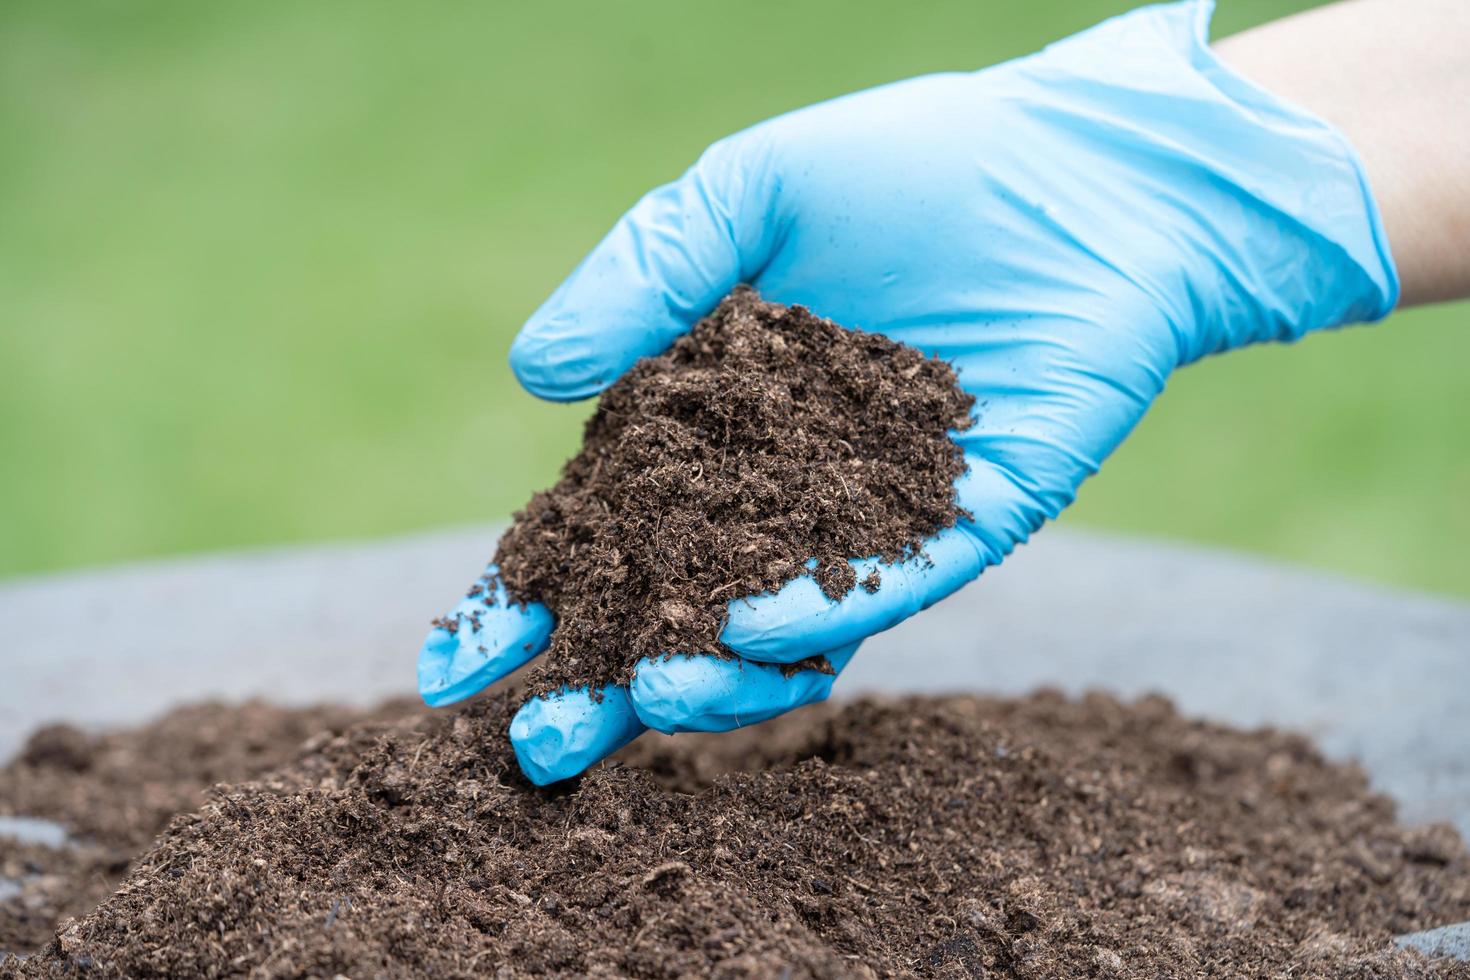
(1376, 675)
(33, 830)
(1446, 941)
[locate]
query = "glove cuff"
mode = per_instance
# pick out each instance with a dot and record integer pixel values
(1322, 183)
(1263, 209)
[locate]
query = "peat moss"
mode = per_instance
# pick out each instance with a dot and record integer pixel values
(763, 438)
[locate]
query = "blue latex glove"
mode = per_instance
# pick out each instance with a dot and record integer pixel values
(1067, 229)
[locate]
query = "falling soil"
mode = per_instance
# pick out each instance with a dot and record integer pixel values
(951, 837)
(765, 437)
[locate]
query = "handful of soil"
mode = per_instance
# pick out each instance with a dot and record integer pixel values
(763, 438)
(948, 837)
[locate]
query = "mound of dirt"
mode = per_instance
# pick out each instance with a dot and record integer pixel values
(113, 793)
(954, 837)
(763, 438)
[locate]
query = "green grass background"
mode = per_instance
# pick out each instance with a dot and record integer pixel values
(260, 264)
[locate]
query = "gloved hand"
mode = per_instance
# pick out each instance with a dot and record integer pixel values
(1066, 228)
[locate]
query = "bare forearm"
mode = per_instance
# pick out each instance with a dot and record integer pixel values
(1394, 77)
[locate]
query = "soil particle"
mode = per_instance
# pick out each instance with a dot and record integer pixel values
(947, 837)
(764, 438)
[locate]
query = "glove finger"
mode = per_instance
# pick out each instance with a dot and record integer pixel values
(784, 626)
(557, 737)
(712, 694)
(664, 265)
(478, 643)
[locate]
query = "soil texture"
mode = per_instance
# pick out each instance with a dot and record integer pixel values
(113, 793)
(947, 837)
(763, 438)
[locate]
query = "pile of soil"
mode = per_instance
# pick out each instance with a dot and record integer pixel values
(115, 792)
(953, 837)
(763, 438)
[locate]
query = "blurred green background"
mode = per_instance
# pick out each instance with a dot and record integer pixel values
(260, 264)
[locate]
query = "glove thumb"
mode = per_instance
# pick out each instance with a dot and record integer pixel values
(666, 263)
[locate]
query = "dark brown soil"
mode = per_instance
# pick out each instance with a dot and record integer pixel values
(765, 437)
(115, 792)
(954, 837)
